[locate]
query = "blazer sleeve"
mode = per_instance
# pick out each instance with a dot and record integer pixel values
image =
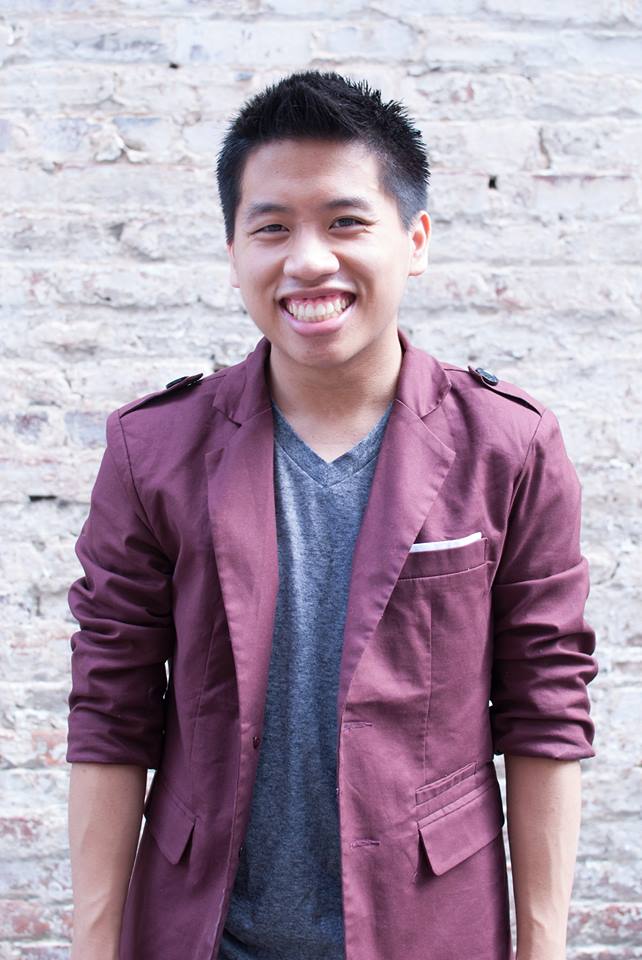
(543, 647)
(123, 605)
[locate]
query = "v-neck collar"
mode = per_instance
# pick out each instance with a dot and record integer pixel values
(343, 466)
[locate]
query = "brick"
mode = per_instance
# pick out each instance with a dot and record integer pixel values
(146, 135)
(374, 40)
(597, 146)
(149, 285)
(23, 919)
(473, 46)
(55, 87)
(97, 188)
(458, 95)
(612, 922)
(518, 240)
(552, 95)
(330, 9)
(188, 93)
(612, 13)
(497, 147)
(582, 94)
(46, 950)
(238, 43)
(37, 735)
(39, 650)
(46, 878)
(566, 289)
(585, 196)
(629, 952)
(107, 40)
(45, 828)
(23, 237)
(204, 138)
(178, 238)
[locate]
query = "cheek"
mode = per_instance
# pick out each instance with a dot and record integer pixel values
(254, 275)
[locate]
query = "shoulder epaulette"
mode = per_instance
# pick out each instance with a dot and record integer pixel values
(506, 389)
(172, 387)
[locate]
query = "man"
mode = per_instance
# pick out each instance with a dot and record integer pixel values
(363, 568)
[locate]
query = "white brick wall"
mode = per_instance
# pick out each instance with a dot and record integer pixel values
(114, 281)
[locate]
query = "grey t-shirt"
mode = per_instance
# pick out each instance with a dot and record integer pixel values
(286, 902)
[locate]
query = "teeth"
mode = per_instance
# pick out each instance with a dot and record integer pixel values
(303, 310)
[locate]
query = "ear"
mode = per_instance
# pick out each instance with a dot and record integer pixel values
(419, 241)
(234, 277)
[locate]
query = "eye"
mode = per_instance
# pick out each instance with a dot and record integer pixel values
(348, 222)
(270, 228)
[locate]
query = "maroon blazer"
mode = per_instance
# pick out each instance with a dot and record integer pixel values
(451, 653)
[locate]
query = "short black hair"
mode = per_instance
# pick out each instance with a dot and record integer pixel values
(327, 106)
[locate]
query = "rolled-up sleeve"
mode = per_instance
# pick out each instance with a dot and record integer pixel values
(123, 605)
(543, 647)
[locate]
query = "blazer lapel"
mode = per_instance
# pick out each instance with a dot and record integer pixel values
(411, 468)
(242, 515)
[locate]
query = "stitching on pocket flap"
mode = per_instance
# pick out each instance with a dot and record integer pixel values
(461, 828)
(437, 787)
(169, 822)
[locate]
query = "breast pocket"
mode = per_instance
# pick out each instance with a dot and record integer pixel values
(442, 558)
(448, 592)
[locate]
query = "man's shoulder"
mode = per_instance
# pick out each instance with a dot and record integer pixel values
(491, 413)
(478, 384)
(176, 417)
(185, 390)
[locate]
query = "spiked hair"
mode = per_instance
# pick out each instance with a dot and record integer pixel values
(327, 106)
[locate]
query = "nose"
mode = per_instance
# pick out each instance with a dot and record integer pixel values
(309, 257)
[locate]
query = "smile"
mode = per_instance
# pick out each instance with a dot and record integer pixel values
(313, 309)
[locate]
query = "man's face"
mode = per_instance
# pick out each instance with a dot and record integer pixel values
(319, 252)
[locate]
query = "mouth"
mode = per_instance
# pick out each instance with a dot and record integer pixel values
(317, 309)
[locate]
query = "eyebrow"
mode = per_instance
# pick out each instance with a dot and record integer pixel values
(260, 209)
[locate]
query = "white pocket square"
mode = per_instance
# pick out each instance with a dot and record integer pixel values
(445, 544)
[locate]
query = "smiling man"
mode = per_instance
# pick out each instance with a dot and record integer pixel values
(322, 270)
(362, 566)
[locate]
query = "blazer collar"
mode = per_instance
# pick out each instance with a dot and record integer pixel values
(243, 392)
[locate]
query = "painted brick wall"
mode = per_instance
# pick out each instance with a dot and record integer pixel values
(114, 281)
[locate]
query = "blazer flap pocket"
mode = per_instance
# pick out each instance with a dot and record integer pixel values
(463, 827)
(168, 820)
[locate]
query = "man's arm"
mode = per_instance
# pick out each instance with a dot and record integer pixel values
(542, 663)
(105, 813)
(123, 605)
(543, 799)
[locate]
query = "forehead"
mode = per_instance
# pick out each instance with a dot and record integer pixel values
(294, 170)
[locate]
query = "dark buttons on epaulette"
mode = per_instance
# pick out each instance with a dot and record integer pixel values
(487, 377)
(186, 380)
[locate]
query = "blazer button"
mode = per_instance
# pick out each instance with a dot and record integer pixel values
(255, 742)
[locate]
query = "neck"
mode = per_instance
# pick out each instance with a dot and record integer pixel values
(366, 382)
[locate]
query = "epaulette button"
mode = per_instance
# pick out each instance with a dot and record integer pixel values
(193, 378)
(487, 377)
